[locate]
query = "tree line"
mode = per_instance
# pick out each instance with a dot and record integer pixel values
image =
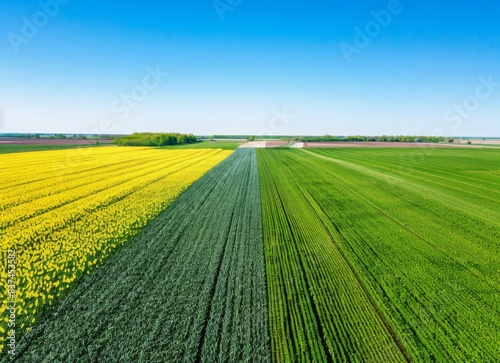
(155, 139)
(383, 138)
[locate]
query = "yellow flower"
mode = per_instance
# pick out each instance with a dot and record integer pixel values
(61, 214)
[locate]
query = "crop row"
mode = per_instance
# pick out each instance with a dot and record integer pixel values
(348, 255)
(427, 256)
(56, 243)
(189, 287)
(319, 310)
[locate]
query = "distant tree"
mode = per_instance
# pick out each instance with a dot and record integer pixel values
(155, 139)
(251, 138)
(182, 139)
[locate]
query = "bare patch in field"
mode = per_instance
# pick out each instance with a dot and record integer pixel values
(262, 144)
(479, 141)
(275, 143)
(253, 145)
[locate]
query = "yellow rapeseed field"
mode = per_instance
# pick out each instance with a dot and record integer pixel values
(62, 212)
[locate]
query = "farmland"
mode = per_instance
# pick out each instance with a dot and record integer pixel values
(63, 212)
(417, 229)
(207, 144)
(283, 255)
(189, 287)
(9, 148)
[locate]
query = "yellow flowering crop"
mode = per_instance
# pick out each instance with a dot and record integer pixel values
(64, 211)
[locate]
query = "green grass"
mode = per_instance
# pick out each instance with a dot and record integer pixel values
(10, 148)
(190, 287)
(420, 228)
(220, 144)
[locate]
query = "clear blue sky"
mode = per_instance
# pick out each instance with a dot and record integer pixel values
(232, 69)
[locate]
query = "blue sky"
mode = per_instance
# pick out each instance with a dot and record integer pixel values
(237, 67)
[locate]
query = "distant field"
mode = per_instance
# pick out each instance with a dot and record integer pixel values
(264, 144)
(18, 148)
(44, 141)
(476, 141)
(397, 145)
(219, 144)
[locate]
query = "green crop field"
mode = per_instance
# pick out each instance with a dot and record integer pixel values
(288, 255)
(363, 245)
